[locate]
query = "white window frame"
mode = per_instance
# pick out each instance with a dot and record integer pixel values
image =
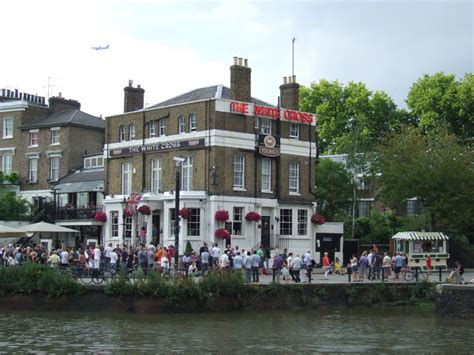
(181, 124)
(294, 131)
(294, 178)
(266, 175)
(33, 170)
(239, 172)
(54, 164)
(8, 127)
(265, 126)
(34, 133)
(122, 133)
(163, 127)
(114, 225)
(54, 137)
(7, 162)
(286, 221)
(126, 178)
(192, 122)
(238, 221)
(193, 224)
(132, 132)
(156, 176)
(187, 174)
(302, 223)
(152, 129)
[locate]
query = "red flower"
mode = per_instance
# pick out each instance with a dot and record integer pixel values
(222, 215)
(100, 216)
(222, 233)
(318, 218)
(185, 213)
(145, 210)
(252, 216)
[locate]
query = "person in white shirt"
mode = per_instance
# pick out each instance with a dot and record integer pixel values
(64, 255)
(113, 261)
(224, 262)
(165, 264)
(215, 252)
(248, 267)
(97, 254)
(107, 250)
(296, 264)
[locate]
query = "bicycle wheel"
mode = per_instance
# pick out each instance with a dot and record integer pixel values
(408, 276)
(423, 276)
(97, 277)
(85, 277)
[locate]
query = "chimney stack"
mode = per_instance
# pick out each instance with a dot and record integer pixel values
(58, 104)
(133, 97)
(240, 80)
(290, 93)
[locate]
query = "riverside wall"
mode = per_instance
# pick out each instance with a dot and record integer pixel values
(455, 301)
(258, 297)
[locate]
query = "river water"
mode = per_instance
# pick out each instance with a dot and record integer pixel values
(330, 329)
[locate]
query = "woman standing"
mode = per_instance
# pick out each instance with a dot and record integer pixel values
(355, 268)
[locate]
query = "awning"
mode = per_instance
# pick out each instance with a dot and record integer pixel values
(420, 236)
(83, 186)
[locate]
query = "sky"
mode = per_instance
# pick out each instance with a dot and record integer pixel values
(172, 47)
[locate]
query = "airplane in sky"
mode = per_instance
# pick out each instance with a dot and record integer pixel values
(100, 48)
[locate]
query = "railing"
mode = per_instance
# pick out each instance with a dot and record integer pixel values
(75, 213)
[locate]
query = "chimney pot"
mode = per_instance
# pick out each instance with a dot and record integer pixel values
(284, 80)
(246, 62)
(240, 61)
(294, 79)
(60, 94)
(235, 60)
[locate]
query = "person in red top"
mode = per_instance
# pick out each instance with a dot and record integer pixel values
(326, 265)
(428, 265)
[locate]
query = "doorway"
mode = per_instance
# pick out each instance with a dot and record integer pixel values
(327, 242)
(156, 228)
(265, 230)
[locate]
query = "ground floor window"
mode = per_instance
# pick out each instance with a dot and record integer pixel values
(302, 222)
(115, 224)
(237, 218)
(286, 222)
(194, 222)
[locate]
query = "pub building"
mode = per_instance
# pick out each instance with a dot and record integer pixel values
(245, 168)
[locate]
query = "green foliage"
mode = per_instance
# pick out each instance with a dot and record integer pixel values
(460, 249)
(223, 284)
(30, 278)
(436, 169)
(349, 115)
(378, 228)
(440, 101)
(189, 248)
(334, 188)
(13, 207)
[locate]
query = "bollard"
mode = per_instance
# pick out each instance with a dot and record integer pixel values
(309, 274)
(440, 274)
(349, 274)
(274, 275)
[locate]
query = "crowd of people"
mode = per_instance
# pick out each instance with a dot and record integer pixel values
(285, 266)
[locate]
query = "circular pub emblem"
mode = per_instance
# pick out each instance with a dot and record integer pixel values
(269, 141)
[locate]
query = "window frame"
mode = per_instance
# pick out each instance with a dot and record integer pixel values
(237, 220)
(302, 223)
(238, 181)
(132, 128)
(7, 127)
(187, 174)
(181, 124)
(286, 221)
(54, 137)
(155, 175)
(265, 126)
(33, 136)
(294, 131)
(162, 127)
(114, 218)
(193, 223)
(54, 170)
(192, 122)
(151, 129)
(30, 170)
(4, 155)
(126, 178)
(266, 182)
(122, 133)
(294, 177)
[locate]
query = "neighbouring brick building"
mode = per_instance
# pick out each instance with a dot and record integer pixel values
(43, 143)
(236, 153)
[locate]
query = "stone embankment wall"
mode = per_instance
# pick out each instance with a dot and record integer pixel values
(262, 297)
(455, 301)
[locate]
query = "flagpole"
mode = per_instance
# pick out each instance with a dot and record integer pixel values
(293, 57)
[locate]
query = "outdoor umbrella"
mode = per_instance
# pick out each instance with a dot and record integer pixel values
(43, 227)
(8, 232)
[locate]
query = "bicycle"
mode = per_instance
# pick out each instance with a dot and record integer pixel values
(88, 276)
(409, 275)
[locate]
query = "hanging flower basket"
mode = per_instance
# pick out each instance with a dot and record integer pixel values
(222, 215)
(185, 213)
(222, 233)
(144, 210)
(318, 218)
(100, 216)
(252, 216)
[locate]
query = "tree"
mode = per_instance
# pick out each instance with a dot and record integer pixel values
(436, 169)
(334, 188)
(13, 207)
(351, 117)
(440, 101)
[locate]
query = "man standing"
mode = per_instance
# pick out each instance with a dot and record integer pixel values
(215, 251)
(204, 261)
(224, 261)
(308, 260)
(277, 266)
(326, 265)
(296, 264)
(238, 261)
(64, 258)
(256, 260)
(248, 267)
(398, 265)
(108, 249)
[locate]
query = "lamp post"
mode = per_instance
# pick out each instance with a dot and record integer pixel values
(124, 217)
(178, 161)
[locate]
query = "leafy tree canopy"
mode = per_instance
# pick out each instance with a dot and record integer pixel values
(13, 207)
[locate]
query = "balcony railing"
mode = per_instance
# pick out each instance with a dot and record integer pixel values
(63, 213)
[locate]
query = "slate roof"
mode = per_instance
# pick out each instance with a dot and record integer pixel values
(210, 92)
(69, 117)
(83, 175)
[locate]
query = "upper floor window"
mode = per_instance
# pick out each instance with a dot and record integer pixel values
(162, 127)
(294, 183)
(294, 130)
(152, 129)
(126, 178)
(93, 162)
(266, 175)
(181, 124)
(265, 126)
(131, 131)
(8, 127)
(54, 136)
(34, 138)
(155, 176)
(194, 222)
(33, 170)
(239, 171)
(7, 162)
(122, 134)
(187, 174)
(54, 168)
(192, 122)
(286, 222)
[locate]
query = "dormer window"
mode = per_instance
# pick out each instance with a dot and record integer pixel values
(122, 134)
(131, 131)
(192, 122)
